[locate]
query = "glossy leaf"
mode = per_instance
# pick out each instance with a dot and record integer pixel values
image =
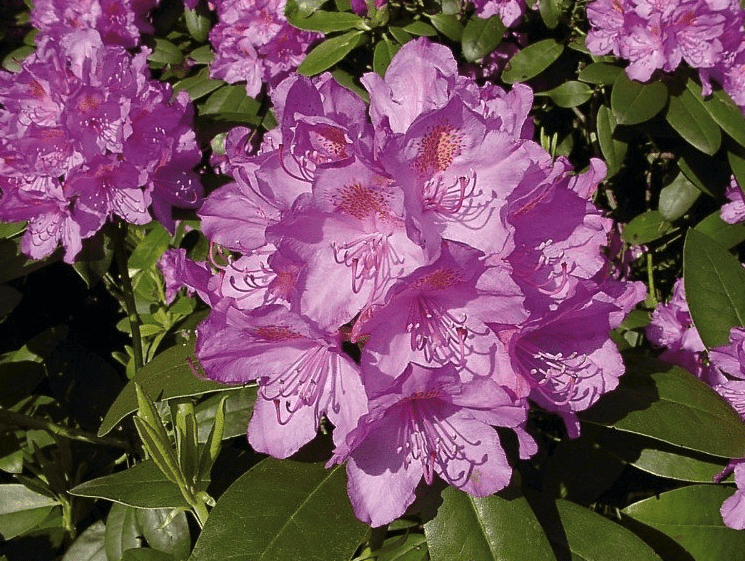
(290, 507)
(532, 60)
(614, 151)
(326, 22)
(450, 26)
(481, 36)
(231, 103)
(488, 528)
(10, 229)
(690, 516)
(141, 486)
(421, 29)
(634, 103)
(688, 116)
(592, 537)
(677, 198)
(198, 22)
(724, 111)
(167, 376)
(328, 53)
(600, 73)
(21, 509)
(122, 531)
(715, 288)
(89, 546)
(199, 85)
(692, 172)
(303, 7)
(550, 12)
(165, 532)
(569, 94)
(645, 228)
(165, 52)
(399, 34)
(669, 404)
(726, 235)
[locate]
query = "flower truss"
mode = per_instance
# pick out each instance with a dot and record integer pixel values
(708, 35)
(463, 264)
(86, 134)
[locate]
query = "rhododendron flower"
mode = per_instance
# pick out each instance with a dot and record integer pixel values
(429, 423)
(734, 211)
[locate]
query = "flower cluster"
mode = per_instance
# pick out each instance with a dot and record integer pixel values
(659, 35)
(413, 278)
(734, 211)
(254, 42)
(85, 134)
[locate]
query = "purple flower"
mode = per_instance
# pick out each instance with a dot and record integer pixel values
(429, 423)
(509, 11)
(734, 211)
(733, 509)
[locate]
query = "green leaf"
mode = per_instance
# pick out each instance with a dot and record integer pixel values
(724, 111)
(661, 459)
(677, 198)
(688, 116)
(413, 547)
(199, 85)
(634, 103)
(569, 94)
(167, 376)
(488, 528)
(328, 53)
(202, 55)
(21, 509)
(186, 440)
(690, 516)
(146, 554)
(164, 532)
(532, 60)
(198, 22)
(122, 532)
(592, 537)
(738, 168)
(151, 248)
(231, 103)
(303, 8)
(89, 546)
(161, 452)
(420, 28)
(11, 229)
(451, 7)
(696, 176)
(9, 299)
(550, 12)
(600, 73)
(290, 507)
(326, 22)
(646, 228)
(13, 60)
(399, 34)
(726, 235)
(715, 288)
(141, 486)
(667, 403)
(481, 36)
(449, 25)
(14, 264)
(384, 53)
(239, 404)
(166, 52)
(614, 151)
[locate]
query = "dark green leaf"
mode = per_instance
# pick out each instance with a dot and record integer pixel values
(21, 509)
(166, 534)
(89, 546)
(695, 175)
(488, 528)
(569, 94)
(413, 547)
(9, 299)
(690, 516)
(481, 36)
(613, 150)
(688, 116)
(161, 452)
(151, 248)
(634, 103)
(450, 26)
(724, 111)
(14, 264)
(199, 85)
(231, 103)
(420, 28)
(715, 288)
(141, 486)
(677, 198)
(399, 34)
(328, 53)
(346, 79)
(592, 537)
(326, 22)
(645, 228)
(550, 12)
(726, 235)
(238, 408)
(384, 52)
(145, 554)
(669, 404)
(122, 532)
(167, 376)
(738, 168)
(94, 260)
(532, 60)
(198, 22)
(166, 52)
(600, 73)
(290, 507)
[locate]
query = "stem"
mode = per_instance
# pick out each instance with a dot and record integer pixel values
(26, 421)
(650, 280)
(200, 511)
(120, 253)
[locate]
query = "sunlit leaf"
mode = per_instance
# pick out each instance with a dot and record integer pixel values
(328, 53)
